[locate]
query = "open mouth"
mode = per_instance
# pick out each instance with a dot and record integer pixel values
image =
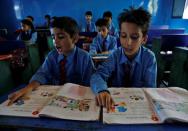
(58, 48)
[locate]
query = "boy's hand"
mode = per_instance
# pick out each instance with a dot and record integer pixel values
(104, 99)
(15, 96)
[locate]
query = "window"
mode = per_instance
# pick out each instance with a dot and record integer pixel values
(185, 13)
(178, 8)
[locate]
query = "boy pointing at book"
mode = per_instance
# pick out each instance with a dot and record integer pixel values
(66, 63)
(131, 65)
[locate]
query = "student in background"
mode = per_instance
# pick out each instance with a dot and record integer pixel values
(27, 32)
(103, 43)
(131, 65)
(52, 20)
(66, 63)
(47, 21)
(112, 30)
(30, 18)
(88, 26)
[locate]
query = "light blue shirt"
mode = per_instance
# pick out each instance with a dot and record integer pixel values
(113, 31)
(33, 38)
(143, 71)
(96, 46)
(92, 27)
(79, 68)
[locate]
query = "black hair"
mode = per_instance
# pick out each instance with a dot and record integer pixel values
(138, 16)
(66, 23)
(31, 17)
(27, 22)
(102, 22)
(88, 13)
(47, 16)
(107, 14)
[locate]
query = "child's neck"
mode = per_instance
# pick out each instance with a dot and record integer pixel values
(68, 52)
(131, 57)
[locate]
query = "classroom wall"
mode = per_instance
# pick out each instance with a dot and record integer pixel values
(8, 18)
(74, 8)
(164, 16)
(77, 8)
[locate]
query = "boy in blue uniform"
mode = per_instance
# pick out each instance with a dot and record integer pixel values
(66, 63)
(131, 65)
(112, 30)
(88, 26)
(27, 33)
(103, 43)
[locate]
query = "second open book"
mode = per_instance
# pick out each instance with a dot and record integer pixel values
(75, 102)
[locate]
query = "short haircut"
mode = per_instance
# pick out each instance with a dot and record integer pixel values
(107, 14)
(138, 16)
(31, 17)
(27, 22)
(66, 23)
(47, 16)
(102, 22)
(88, 13)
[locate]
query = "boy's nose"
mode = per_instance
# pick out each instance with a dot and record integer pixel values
(55, 41)
(128, 42)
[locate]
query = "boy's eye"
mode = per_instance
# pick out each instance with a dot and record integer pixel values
(60, 36)
(123, 35)
(134, 37)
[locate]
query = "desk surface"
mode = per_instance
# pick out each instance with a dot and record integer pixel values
(52, 123)
(49, 123)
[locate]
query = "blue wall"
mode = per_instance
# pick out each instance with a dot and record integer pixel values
(8, 18)
(74, 8)
(77, 8)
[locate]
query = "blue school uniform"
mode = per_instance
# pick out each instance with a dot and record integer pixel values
(96, 46)
(79, 68)
(143, 70)
(92, 27)
(28, 36)
(113, 31)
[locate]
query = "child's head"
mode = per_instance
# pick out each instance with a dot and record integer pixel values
(26, 25)
(102, 27)
(108, 16)
(133, 25)
(64, 33)
(88, 16)
(30, 18)
(47, 17)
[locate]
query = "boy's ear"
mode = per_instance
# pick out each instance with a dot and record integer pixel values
(145, 38)
(75, 38)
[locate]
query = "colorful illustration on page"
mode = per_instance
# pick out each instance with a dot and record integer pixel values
(119, 107)
(21, 101)
(71, 104)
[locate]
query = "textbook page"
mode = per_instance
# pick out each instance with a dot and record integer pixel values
(170, 103)
(30, 104)
(72, 102)
(131, 107)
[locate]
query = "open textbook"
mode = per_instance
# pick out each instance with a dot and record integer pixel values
(74, 102)
(69, 101)
(147, 105)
